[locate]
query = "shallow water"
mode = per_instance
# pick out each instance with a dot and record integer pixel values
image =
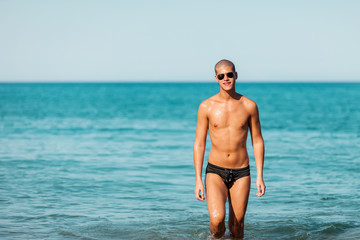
(114, 161)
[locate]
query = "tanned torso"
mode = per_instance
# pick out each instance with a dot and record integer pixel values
(227, 116)
(228, 128)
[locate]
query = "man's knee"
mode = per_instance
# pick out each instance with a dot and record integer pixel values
(217, 226)
(236, 227)
(216, 222)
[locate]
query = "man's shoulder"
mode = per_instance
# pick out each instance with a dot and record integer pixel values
(249, 104)
(211, 100)
(247, 101)
(207, 105)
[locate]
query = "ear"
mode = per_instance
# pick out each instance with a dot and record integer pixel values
(236, 75)
(216, 78)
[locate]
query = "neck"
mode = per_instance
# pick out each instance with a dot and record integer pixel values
(227, 95)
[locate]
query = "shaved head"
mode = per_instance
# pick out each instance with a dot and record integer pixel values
(224, 63)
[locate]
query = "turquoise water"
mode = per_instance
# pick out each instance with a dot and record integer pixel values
(114, 161)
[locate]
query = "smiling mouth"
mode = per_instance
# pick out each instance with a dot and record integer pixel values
(227, 83)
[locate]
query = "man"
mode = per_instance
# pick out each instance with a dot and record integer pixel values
(227, 116)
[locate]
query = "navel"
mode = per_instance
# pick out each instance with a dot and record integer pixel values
(228, 155)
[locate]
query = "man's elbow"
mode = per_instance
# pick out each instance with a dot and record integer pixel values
(199, 146)
(258, 141)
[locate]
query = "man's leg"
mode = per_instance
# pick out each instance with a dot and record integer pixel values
(238, 199)
(216, 195)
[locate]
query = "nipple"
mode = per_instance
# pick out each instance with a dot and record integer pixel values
(215, 125)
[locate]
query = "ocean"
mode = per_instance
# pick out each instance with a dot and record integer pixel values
(114, 161)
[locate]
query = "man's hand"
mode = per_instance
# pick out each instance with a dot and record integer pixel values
(260, 186)
(199, 191)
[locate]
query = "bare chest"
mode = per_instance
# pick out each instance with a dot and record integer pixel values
(234, 117)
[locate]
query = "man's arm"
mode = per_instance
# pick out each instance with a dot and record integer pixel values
(199, 150)
(258, 146)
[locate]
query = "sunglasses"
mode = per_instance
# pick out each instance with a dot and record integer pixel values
(229, 75)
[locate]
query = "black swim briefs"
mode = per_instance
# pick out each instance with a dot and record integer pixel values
(228, 175)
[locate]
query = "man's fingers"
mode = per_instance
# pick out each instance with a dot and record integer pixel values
(263, 190)
(258, 193)
(199, 191)
(202, 195)
(199, 194)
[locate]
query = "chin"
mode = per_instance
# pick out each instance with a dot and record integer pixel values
(227, 88)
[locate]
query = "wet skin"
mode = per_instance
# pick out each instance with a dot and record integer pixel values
(227, 116)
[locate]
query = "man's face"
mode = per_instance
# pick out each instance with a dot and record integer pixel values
(227, 82)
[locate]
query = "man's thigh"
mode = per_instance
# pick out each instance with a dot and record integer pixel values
(238, 198)
(216, 195)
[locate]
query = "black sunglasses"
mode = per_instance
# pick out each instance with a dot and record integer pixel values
(229, 75)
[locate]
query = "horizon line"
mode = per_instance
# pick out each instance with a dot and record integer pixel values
(171, 82)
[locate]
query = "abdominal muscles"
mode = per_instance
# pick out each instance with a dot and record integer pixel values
(228, 150)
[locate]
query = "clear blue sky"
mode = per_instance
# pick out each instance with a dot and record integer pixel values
(74, 40)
